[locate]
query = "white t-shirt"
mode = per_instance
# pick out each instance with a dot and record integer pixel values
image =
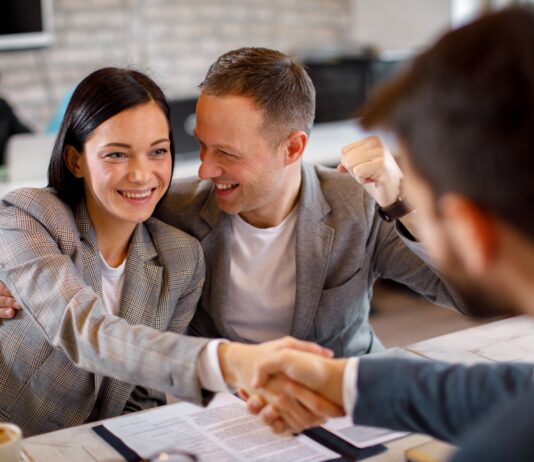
(112, 283)
(261, 292)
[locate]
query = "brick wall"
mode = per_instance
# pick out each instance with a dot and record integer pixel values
(173, 40)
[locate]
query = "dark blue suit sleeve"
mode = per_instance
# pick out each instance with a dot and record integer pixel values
(438, 399)
(505, 436)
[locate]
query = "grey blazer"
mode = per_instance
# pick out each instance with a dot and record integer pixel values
(342, 248)
(65, 360)
(487, 409)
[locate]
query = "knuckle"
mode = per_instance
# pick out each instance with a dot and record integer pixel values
(281, 402)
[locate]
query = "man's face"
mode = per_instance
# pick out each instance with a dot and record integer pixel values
(482, 297)
(247, 170)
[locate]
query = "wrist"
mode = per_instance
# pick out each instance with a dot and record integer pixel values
(394, 211)
(333, 387)
(227, 355)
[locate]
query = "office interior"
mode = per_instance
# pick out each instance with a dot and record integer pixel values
(348, 47)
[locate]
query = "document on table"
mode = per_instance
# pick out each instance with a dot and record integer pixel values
(224, 431)
(359, 435)
(503, 341)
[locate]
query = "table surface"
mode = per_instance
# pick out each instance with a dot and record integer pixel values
(504, 340)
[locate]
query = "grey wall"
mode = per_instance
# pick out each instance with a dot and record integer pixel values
(172, 40)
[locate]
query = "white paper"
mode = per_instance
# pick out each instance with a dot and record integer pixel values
(224, 431)
(359, 435)
(503, 341)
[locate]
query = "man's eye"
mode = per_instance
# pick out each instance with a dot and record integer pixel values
(226, 153)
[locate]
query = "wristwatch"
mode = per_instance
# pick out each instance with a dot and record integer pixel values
(395, 211)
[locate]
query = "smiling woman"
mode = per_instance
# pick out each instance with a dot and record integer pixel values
(86, 252)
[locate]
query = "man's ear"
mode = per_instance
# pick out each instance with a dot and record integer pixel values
(471, 230)
(294, 146)
(72, 159)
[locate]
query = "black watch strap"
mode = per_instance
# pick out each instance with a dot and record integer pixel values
(394, 211)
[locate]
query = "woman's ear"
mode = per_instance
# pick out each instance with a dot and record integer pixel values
(73, 161)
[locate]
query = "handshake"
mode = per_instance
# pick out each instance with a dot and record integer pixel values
(292, 384)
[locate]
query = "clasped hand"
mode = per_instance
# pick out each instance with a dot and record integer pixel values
(289, 382)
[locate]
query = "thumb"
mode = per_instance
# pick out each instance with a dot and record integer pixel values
(264, 368)
(308, 347)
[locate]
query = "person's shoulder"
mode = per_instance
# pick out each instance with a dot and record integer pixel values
(186, 195)
(32, 207)
(37, 201)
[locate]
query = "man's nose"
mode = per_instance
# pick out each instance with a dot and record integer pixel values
(209, 168)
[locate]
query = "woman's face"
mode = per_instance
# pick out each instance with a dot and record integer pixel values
(126, 166)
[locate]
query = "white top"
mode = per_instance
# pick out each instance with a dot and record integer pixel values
(112, 283)
(261, 291)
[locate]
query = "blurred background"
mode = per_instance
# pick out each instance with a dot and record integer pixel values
(348, 46)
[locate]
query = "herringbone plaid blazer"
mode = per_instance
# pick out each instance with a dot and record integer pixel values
(64, 360)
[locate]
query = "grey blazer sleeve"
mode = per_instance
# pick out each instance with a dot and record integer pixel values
(145, 398)
(39, 271)
(439, 399)
(403, 260)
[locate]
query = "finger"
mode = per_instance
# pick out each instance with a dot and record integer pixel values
(341, 169)
(368, 172)
(255, 404)
(315, 403)
(279, 426)
(8, 302)
(368, 141)
(309, 347)
(273, 364)
(4, 290)
(243, 394)
(283, 398)
(7, 313)
(269, 415)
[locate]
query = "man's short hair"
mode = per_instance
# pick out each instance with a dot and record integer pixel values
(464, 110)
(280, 87)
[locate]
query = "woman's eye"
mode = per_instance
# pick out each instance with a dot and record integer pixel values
(160, 152)
(115, 155)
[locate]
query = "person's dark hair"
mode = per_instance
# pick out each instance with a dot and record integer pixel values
(101, 95)
(280, 87)
(464, 110)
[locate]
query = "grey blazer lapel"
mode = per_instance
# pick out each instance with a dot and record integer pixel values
(313, 247)
(217, 246)
(91, 259)
(139, 301)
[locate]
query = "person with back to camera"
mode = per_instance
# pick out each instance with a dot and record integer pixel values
(463, 112)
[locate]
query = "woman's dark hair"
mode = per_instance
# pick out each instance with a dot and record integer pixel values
(101, 95)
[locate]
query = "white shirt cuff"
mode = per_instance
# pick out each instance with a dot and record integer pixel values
(350, 385)
(209, 370)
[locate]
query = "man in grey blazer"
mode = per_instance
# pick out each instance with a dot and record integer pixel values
(291, 249)
(464, 111)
